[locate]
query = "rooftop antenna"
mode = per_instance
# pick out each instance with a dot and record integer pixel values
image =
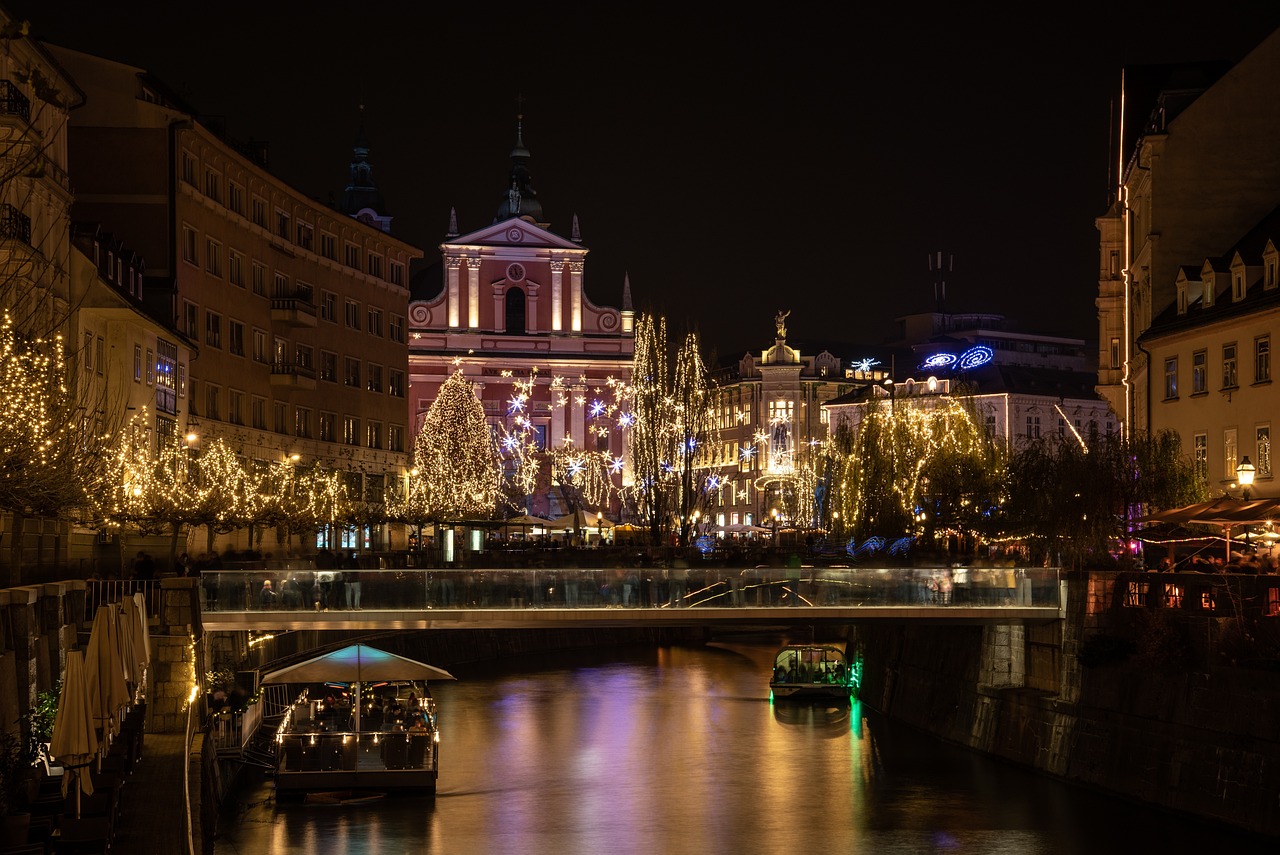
(940, 265)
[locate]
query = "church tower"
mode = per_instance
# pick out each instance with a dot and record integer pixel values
(361, 199)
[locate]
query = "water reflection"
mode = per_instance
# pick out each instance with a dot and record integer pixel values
(677, 750)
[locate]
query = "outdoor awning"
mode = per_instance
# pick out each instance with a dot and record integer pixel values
(358, 663)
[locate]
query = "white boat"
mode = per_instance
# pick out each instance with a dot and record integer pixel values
(818, 670)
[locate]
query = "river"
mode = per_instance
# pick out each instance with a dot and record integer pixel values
(641, 751)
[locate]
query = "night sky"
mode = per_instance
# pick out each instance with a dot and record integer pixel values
(733, 162)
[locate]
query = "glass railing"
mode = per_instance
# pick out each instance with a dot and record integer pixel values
(247, 590)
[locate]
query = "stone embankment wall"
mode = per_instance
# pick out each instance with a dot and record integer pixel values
(1203, 742)
(38, 625)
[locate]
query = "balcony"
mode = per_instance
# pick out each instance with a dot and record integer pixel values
(13, 102)
(14, 224)
(294, 311)
(286, 375)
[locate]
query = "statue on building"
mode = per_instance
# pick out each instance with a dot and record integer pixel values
(780, 320)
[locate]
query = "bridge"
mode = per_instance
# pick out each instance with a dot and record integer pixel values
(294, 596)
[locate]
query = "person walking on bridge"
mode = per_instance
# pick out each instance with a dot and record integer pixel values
(351, 580)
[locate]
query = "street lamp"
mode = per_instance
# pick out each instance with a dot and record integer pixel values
(1244, 475)
(889, 387)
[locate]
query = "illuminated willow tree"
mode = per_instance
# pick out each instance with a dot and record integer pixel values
(925, 470)
(455, 458)
(300, 500)
(673, 434)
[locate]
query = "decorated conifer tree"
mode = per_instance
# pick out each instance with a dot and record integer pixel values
(456, 458)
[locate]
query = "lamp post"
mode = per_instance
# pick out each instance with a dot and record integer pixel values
(1244, 475)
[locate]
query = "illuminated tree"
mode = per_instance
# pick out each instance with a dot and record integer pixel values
(674, 433)
(456, 459)
(300, 500)
(918, 470)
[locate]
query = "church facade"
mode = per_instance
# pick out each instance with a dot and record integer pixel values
(508, 306)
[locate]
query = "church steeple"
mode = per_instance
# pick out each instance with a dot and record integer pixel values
(361, 199)
(519, 199)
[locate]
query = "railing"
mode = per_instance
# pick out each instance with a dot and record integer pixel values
(13, 102)
(233, 730)
(15, 224)
(621, 587)
(100, 592)
(299, 303)
(292, 369)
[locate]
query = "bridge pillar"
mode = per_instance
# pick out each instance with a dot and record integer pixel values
(1004, 661)
(176, 671)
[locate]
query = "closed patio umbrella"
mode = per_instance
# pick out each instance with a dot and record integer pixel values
(74, 742)
(104, 671)
(134, 638)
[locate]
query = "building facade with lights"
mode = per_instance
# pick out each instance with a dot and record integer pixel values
(1210, 352)
(297, 313)
(508, 306)
(1195, 168)
(768, 409)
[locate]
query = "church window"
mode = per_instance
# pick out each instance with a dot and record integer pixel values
(515, 311)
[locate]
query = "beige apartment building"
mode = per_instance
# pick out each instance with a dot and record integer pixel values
(296, 312)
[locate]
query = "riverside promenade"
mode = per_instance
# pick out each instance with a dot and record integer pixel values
(153, 804)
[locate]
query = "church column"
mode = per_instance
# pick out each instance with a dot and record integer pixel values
(575, 288)
(473, 293)
(556, 439)
(453, 264)
(557, 305)
(500, 308)
(531, 312)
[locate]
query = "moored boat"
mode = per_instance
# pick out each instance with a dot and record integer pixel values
(818, 670)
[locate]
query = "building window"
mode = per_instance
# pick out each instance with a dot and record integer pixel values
(235, 268)
(190, 249)
(350, 430)
(374, 320)
(1171, 378)
(397, 273)
(189, 169)
(328, 422)
(167, 384)
(328, 306)
(212, 329)
(353, 314)
(151, 368)
(1262, 359)
(282, 224)
(88, 353)
(1262, 449)
(352, 255)
(280, 285)
(212, 257)
(1115, 353)
(259, 279)
(328, 366)
(191, 325)
(1230, 453)
(351, 372)
(375, 265)
(260, 413)
(235, 197)
(1033, 427)
(302, 423)
(212, 395)
(303, 357)
(374, 435)
(235, 407)
(1230, 379)
(213, 185)
(1237, 286)
(260, 353)
(395, 438)
(306, 236)
(280, 417)
(329, 246)
(395, 383)
(137, 363)
(259, 212)
(374, 378)
(235, 338)
(396, 329)
(1200, 372)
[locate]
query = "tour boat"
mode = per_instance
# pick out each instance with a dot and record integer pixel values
(818, 670)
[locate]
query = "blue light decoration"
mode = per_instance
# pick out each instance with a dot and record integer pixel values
(597, 408)
(713, 483)
(974, 357)
(901, 545)
(871, 546)
(515, 405)
(626, 420)
(705, 543)
(615, 465)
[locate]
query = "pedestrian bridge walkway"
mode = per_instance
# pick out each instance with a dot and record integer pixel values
(282, 598)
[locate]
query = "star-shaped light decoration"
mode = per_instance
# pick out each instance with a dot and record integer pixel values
(747, 452)
(597, 408)
(615, 465)
(626, 420)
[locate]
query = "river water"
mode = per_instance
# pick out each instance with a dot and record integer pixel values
(641, 751)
